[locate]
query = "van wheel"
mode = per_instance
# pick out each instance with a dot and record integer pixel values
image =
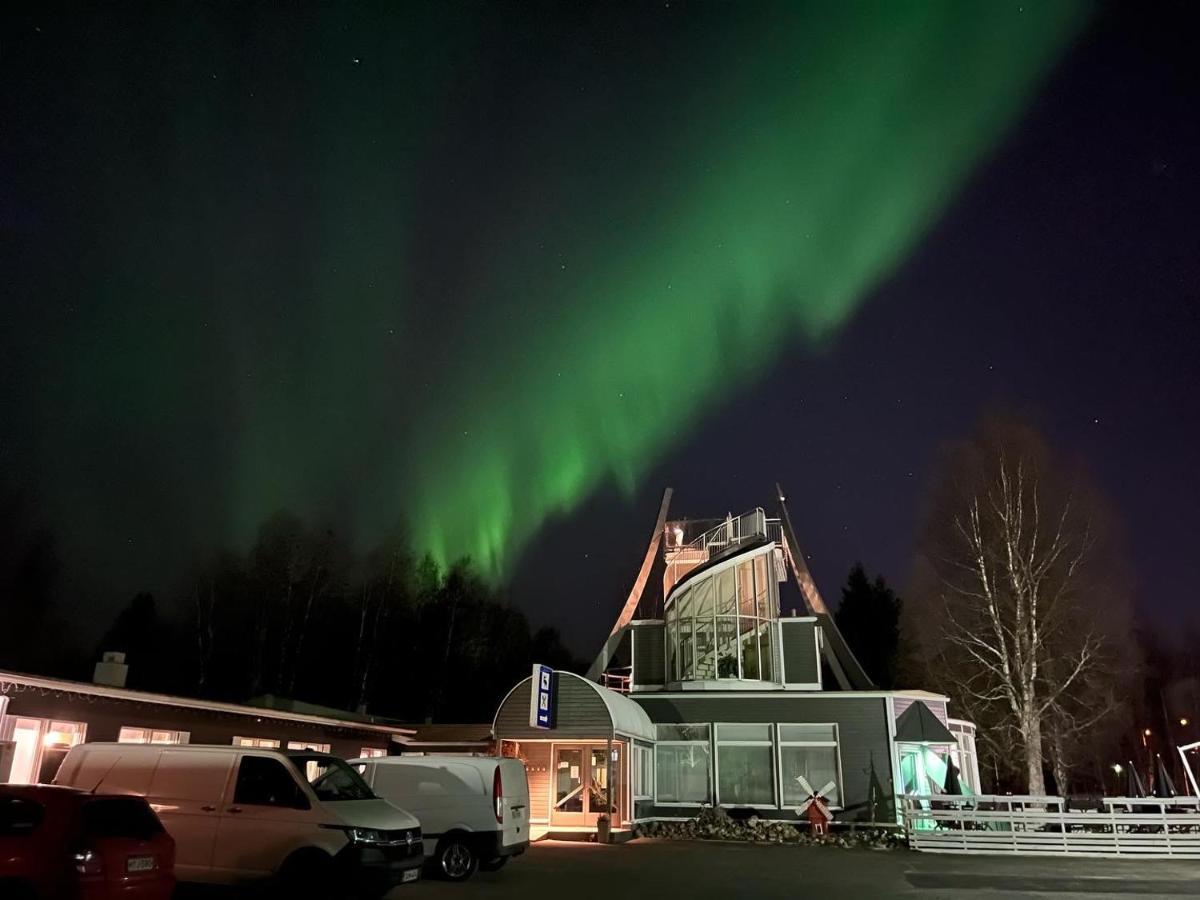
(456, 861)
(304, 872)
(494, 865)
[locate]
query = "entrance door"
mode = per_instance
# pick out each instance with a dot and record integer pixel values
(569, 795)
(581, 790)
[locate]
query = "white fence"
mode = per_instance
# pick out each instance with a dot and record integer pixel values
(1145, 827)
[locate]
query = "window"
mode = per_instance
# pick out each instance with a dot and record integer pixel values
(745, 774)
(809, 752)
(643, 772)
(682, 763)
(371, 753)
(260, 743)
(720, 625)
(305, 745)
(132, 735)
(262, 781)
(331, 778)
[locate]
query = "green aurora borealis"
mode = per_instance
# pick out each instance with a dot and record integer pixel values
(794, 183)
(455, 269)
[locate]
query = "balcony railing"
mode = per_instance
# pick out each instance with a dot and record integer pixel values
(728, 533)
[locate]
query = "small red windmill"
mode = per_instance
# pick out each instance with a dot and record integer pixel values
(816, 806)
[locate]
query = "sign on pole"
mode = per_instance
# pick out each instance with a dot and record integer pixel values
(541, 697)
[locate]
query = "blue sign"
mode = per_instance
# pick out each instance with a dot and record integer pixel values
(541, 697)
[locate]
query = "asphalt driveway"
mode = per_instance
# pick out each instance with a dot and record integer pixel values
(681, 870)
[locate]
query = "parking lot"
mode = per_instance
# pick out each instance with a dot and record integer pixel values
(684, 869)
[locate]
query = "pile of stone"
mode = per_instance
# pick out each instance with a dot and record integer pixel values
(717, 825)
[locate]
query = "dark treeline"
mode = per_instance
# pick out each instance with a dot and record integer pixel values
(301, 615)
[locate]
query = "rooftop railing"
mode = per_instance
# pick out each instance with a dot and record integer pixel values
(681, 557)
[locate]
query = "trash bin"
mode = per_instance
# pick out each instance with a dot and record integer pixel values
(603, 829)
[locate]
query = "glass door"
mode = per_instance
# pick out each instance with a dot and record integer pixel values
(569, 797)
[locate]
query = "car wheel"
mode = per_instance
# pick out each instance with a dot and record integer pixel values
(456, 861)
(494, 865)
(305, 872)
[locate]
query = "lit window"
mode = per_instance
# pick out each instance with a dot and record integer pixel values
(745, 774)
(371, 753)
(260, 743)
(643, 772)
(307, 745)
(809, 752)
(682, 763)
(132, 735)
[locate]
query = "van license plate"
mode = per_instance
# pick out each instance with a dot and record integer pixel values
(410, 875)
(139, 864)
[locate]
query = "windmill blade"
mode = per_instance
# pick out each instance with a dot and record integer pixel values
(803, 807)
(804, 785)
(824, 792)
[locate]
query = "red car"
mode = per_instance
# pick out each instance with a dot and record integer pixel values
(59, 843)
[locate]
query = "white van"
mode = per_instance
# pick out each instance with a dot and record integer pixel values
(239, 813)
(474, 810)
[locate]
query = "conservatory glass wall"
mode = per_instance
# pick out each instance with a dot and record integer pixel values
(720, 625)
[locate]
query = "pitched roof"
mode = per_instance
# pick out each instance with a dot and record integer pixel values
(918, 725)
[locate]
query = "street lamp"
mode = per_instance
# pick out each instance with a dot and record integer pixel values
(1183, 722)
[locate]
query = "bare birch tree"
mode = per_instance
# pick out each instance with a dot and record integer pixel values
(1008, 624)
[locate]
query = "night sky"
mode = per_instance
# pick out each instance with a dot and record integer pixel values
(498, 273)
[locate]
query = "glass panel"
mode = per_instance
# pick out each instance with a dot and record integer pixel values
(746, 776)
(749, 649)
(806, 733)
(702, 597)
(763, 588)
(672, 631)
(726, 596)
(743, 733)
(682, 773)
(727, 647)
(817, 765)
(683, 603)
(568, 784)
(598, 785)
(765, 659)
(745, 588)
(687, 650)
(682, 732)
(705, 665)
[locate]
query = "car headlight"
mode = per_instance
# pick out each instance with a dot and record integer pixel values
(365, 836)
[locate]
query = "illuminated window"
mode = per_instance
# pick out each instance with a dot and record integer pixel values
(133, 735)
(371, 753)
(643, 772)
(682, 763)
(809, 752)
(260, 743)
(745, 772)
(307, 745)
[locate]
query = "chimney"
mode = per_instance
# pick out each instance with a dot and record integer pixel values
(111, 670)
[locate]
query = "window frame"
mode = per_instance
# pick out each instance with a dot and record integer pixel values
(643, 778)
(182, 737)
(302, 789)
(772, 745)
(836, 744)
(254, 743)
(707, 743)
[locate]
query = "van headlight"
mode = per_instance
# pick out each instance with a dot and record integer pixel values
(366, 836)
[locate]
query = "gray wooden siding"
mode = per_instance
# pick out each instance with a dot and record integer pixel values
(579, 712)
(537, 769)
(800, 663)
(648, 654)
(862, 730)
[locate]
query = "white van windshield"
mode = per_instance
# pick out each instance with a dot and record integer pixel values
(331, 779)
